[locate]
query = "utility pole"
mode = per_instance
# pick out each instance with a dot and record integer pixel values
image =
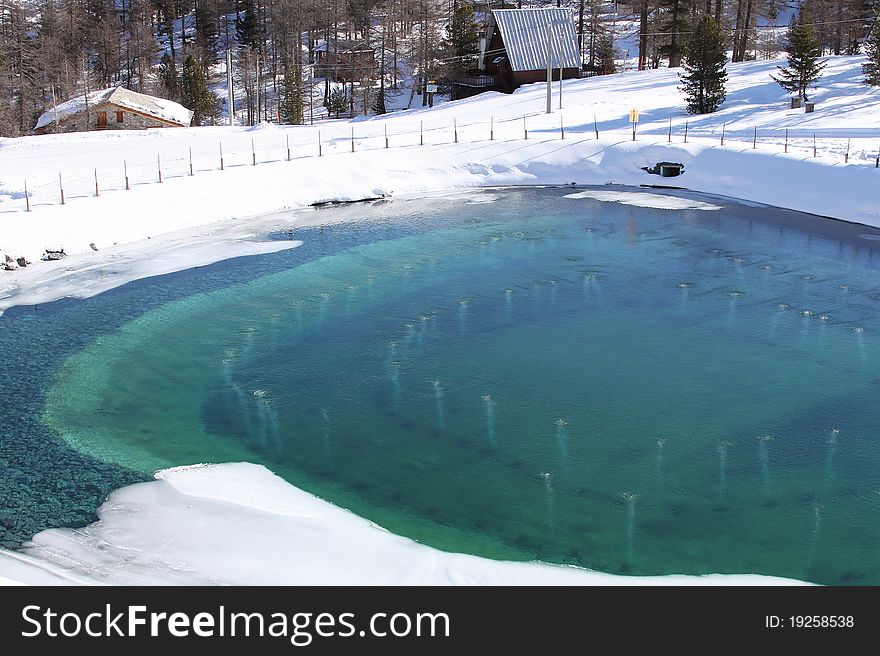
(549, 73)
(259, 88)
(230, 102)
(560, 79)
(311, 94)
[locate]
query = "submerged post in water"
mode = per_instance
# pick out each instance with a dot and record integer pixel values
(562, 439)
(661, 443)
(764, 457)
(832, 449)
(814, 539)
(438, 405)
(723, 446)
(630, 499)
(547, 479)
(489, 404)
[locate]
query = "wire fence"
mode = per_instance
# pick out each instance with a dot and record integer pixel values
(849, 147)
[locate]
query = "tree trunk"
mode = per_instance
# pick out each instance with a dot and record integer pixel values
(643, 35)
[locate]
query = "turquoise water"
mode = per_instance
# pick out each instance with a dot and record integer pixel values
(632, 390)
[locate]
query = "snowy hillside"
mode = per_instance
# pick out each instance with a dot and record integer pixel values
(846, 113)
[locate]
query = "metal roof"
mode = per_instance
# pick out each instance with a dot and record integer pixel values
(524, 32)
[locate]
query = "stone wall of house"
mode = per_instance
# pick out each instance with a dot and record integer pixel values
(130, 121)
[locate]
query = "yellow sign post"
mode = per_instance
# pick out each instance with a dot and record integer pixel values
(634, 119)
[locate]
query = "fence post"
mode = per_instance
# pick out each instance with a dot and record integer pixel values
(352, 138)
(27, 198)
(669, 140)
(755, 139)
(814, 145)
(159, 166)
(61, 188)
(421, 133)
(525, 130)
(386, 135)
(125, 170)
(846, 156)
(723, 128)
(253, 154)
(491, 128)
(319, 143)
(786, 139)
(455, 129)
(595, 126)
(222, 168)
(686, 131)
(287, 140)
(190, 161)
(561, 128)
(97, 191)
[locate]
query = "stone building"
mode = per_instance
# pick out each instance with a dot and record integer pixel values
(115, 108)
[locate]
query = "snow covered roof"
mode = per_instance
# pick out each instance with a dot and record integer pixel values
(160, 108)
(524, 32)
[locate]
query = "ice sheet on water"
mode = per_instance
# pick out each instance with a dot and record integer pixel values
(639, 199)
(89, 274)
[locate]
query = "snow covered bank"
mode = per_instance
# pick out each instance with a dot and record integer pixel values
(240, 524)
(87, 274)
(846, 116)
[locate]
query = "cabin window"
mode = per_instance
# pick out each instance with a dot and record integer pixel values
(120, 116)
(102, 119)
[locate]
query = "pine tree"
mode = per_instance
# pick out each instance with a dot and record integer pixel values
(338, 101)
(871, 68)
(605, 64)
(379, 104)
(462, 37)
(195, 94)
(246, 24)
(677, 24)
(462, 32)
(291, 109)
(804, 68)
(704, 73)
(168, 77)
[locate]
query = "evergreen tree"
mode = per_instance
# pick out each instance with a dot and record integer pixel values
(379, 103)
(168, 77)
(206, 20)
(462, 37)
(246, 25)
(871, 68)
(195, 94)
(462, 32)
(605, 64)
(292, 101)
(704, 73)
(676, 25)
(338, 101)
(804, 68)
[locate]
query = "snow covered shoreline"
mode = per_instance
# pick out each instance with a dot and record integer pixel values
(240, 524)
